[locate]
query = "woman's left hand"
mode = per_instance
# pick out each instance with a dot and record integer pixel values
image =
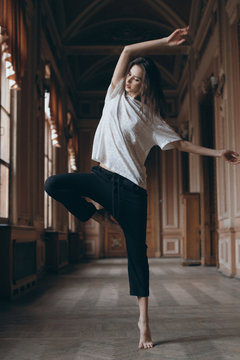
(231, 156)
(178, 36)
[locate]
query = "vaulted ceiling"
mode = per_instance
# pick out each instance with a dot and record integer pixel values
(93, 32)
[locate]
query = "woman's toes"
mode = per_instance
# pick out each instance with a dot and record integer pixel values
(148, 345)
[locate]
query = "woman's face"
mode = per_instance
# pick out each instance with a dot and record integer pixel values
(133, 81)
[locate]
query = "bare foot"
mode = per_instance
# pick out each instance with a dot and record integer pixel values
(103, 217)
(145, 341)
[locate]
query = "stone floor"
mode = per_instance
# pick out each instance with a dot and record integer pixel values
(85, 313)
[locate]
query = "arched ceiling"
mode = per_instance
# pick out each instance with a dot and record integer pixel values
(93, 32)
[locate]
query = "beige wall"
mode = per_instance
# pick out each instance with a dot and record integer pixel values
(217, 34)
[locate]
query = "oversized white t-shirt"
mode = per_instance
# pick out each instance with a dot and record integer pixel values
(125, 136)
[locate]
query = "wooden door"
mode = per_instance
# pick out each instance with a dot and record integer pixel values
(208, 187)
(153, 218)
(192, 246)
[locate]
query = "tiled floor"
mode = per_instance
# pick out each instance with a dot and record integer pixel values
(85, 313)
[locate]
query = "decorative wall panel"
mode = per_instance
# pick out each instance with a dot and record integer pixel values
(24, 259)
(171, 246)
(237, 252)
(171, 228)
(18, 260)
(115, 244)
(225, 254)
(170, 189)
(90, 247)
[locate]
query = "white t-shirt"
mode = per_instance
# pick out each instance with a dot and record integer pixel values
(124, 137)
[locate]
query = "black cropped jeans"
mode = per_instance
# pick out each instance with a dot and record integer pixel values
(126, 201)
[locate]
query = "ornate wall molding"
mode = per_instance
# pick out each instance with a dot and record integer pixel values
(233, 10)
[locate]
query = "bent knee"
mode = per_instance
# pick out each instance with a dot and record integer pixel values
(50, 184)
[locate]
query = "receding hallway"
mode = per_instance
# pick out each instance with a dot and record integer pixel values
(85, 313)
(64, 291)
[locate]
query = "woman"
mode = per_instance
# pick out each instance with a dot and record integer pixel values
(131, 124)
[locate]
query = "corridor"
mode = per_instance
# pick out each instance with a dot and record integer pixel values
(85, 313)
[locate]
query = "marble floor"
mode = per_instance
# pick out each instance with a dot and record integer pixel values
(85, 313)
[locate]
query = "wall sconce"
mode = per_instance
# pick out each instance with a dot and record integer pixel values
(184, 130)
(217, 84)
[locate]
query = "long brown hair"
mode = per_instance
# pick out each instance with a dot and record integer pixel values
(151, 93)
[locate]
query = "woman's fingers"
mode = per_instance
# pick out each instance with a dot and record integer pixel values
(181, 41)
(232, 156)
(178, 36)
(181, 32)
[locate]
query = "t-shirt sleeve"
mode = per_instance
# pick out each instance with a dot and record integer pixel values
(164, 135)
(116, 91)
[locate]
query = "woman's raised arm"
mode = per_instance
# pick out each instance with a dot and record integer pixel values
(142, 48)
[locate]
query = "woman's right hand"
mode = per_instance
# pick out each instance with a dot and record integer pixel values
(178, 36)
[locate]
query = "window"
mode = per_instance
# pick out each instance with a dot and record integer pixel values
(53, 129)
(13, 59)
(48, 162)
(4, 139)
(71, 219)
(71, 164)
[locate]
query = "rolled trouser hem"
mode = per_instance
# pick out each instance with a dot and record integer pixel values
(139, 295)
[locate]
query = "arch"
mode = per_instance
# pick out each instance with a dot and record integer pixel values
(158, 5)
(94, 69)
(84, 16)
(171, 16)
(139, 21)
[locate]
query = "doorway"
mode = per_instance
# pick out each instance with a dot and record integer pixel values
(209, 235)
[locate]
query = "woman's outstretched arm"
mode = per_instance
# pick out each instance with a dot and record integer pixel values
(229, 155)
(142, 48)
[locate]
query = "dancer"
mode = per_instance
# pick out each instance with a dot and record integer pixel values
(131, 124)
